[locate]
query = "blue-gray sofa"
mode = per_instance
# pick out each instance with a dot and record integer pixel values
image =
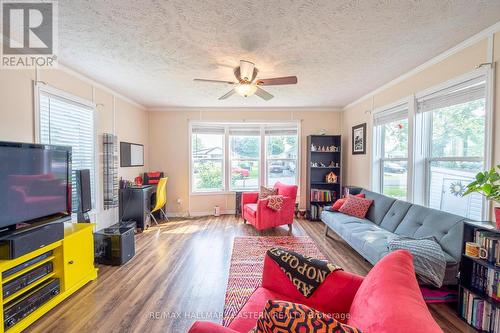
(388, 216)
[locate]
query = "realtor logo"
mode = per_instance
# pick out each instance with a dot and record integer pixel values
(28, 34)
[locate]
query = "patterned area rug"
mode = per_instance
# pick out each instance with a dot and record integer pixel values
(247, 263)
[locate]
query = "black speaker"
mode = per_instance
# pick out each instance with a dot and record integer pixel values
(118, 245)
(20, 242)
(84, 194)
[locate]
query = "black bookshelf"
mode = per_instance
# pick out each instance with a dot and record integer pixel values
(474, 280)
(331, 160)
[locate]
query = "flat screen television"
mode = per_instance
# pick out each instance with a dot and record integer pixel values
(35, 183)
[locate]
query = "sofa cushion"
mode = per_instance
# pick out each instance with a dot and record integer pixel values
(387, 289)
(342, 224)
(395, 215)
(371, 241)
(355, 206)
(447, 228)
(251, 209)
(380, 206)
(281, 316)
(338, 203)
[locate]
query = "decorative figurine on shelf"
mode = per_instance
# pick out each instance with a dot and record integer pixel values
(314, 164)
(322, 131)
(337, 165)
(313, 147)
(322, 165)
(331, 165)
(323, 148)
(331, 178)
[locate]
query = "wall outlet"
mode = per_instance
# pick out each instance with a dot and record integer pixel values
(179, 201)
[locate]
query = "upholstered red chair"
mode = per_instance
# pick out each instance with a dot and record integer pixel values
(387, 300)
(256, 212)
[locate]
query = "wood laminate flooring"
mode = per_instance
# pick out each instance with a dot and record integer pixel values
(179, 275)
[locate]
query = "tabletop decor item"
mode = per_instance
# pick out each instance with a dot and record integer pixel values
(487, 183)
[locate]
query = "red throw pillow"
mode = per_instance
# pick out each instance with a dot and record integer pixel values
(355, 206)
(337, 204)
(275, 202)
(281, 316)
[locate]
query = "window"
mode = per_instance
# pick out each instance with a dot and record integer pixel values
(455, 120)
(430, 147)
(244, 145)
(207, 158)
(281, 155)
(68, 121)
(391, 126)
(258, 154)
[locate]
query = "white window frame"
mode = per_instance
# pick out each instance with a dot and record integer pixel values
(419, 142)
(424, 120)
(227, 158)
(39, 88)
(378, 156)
(230, 159)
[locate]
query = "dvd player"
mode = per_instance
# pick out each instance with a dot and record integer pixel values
(25, 264)
(25, 304)
(26, 279)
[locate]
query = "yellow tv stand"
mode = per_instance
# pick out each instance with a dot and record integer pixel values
(72, 261)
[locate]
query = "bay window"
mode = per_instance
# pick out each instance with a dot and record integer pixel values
(257, 154)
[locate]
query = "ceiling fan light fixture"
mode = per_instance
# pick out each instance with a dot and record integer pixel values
(246, 89)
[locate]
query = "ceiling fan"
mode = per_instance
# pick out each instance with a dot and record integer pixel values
(247, 84)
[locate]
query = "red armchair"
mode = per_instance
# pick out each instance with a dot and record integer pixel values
(256, 212)
(387, 300)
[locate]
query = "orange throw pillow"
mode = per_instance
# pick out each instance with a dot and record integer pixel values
(355, 206)
(337, 204)
(281, 316)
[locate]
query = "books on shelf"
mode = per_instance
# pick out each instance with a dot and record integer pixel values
(316, 210)
(491, 242)
(486, 280)
(480, 313)
(322, 195)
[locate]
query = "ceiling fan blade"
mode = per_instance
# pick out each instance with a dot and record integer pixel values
(263, 94)
(277, 81)
(214, 81)
(246, 70)
(229, 93)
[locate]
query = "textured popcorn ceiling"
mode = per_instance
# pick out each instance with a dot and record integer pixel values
(150, 50)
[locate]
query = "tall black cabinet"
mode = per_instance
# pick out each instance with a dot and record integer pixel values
(324, 155)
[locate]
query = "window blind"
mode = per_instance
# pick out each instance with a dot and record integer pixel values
(207, 129)
(68, 123)
(392, 114)
(279, 130)
(244, 130)
(467, 91)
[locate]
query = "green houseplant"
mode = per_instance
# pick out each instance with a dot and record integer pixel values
(487, 183)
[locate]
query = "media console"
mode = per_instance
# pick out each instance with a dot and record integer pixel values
(35, 282)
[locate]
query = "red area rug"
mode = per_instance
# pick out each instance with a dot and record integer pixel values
(247, 263)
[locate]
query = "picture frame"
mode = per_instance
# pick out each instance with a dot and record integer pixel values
(359, 139)
(131, 154)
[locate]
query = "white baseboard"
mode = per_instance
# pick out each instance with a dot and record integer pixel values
(210, 213)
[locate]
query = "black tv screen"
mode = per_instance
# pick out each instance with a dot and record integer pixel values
(35, 182)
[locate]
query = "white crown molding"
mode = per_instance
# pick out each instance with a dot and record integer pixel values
(96, 84)
(437, 59)
(240, 109)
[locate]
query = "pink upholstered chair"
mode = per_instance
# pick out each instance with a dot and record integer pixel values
(256, 212)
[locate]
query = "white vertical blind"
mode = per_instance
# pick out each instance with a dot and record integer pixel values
(69, 123)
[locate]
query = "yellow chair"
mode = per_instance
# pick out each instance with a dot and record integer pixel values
(161, 199)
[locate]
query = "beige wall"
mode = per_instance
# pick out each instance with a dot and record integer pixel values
(358, 167)
(114, 113)
(169, 150)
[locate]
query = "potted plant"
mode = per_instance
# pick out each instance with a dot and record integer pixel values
(487, 183)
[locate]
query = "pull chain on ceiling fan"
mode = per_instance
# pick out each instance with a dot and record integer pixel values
(248, 85)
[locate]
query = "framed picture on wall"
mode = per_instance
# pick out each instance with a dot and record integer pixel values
(359, 139)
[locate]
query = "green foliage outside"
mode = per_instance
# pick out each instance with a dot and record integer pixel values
(209, 175)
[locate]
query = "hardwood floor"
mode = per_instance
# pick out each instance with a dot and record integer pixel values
(179, 275)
